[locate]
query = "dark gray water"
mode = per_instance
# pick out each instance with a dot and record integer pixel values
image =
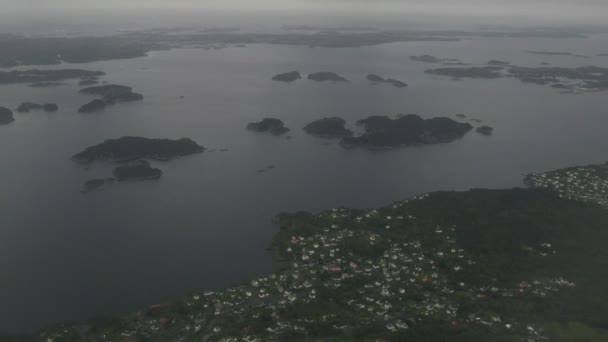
(206, 223)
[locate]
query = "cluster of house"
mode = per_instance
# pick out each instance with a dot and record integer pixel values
(360, 269)
(587, 183)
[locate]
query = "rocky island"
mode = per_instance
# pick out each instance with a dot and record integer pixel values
(485, 130)
(325, 76)
(26, 107)
(482, 265)
(138, 170)
(406, 130)
(6, 116)
(288, 77)
(333, 127)
(134, 148)
(379, 79)
(269, 125)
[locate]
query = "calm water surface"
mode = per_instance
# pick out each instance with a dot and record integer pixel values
(207, 222)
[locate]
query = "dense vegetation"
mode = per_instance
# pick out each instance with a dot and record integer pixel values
(132, 148)
(333, 127)
(324, 76)
(139, 170)
(269, 125)
(44, 77)
(288, 77)
(482, 265)
(411, 129)
(6, 116)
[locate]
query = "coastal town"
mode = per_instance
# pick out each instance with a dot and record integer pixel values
(379, 274)
(586, 183)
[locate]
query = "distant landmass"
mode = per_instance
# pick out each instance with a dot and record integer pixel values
(333, 127)
(27, 107)
(96, 184)
(269, 125)
(580, 79)
(44, 78)
(406, 130)
(113, 93)
(92, 106)
(498, 62)
(26, 50)
(139, 170)
(485, 130)
(324, 76)
(288, 77)
(472, 72)
(556, 53)
(134, 148)
(6, 116)
(379, 79)
(433, 59)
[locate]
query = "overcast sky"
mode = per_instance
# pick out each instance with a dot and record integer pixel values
(559, 8)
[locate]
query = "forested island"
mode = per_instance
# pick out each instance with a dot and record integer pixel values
(580, 79)
(379, 79)
(482, 265)
(485, 130)
(27, 107)
(406, 130)
(45, 78)
(92, 106)
(433, 59)
(36, 50)
(333, 127)
(269, 125)
(134, 148)
(113, 93)
(288, 77)
(96, 184)
(325, 76)
(138, 170)
(6, 116)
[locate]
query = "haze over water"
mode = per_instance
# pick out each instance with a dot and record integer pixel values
(206, 223)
